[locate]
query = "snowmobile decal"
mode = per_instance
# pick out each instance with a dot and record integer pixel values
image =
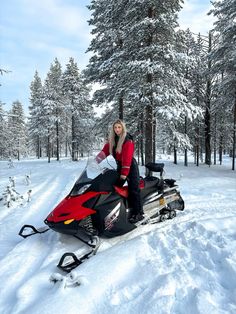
(112, 217)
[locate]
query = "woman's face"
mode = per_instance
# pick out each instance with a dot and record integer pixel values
(118, 129)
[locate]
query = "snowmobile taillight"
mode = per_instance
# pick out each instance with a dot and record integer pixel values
(67, 222)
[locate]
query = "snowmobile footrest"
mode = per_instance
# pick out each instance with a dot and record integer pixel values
(32, 230)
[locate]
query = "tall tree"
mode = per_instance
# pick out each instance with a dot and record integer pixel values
(109, 59)
(145, 65)
(35, 114)
(52, 107)
(17, 129)
(224, 57)
(77, 108)
(3, 133)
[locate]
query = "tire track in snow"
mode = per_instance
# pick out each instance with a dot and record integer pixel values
(35, 250)
(51, 193)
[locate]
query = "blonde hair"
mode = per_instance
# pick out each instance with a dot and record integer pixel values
(112, 135)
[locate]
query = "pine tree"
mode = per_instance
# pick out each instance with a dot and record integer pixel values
(35, 114)
(109, 59)
(52, 107)
(78, 111)
(135, 55)
(3, 133)
(17, 130)
(224, 57)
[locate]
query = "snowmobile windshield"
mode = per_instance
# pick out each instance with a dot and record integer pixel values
(96, 177)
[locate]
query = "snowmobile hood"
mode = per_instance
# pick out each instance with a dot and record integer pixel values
(72, 207)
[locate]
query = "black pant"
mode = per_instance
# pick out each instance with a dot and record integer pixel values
(134, 198)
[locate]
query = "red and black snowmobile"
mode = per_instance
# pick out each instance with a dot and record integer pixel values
(96, 207)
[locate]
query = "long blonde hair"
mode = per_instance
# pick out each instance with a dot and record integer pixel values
(121, 140)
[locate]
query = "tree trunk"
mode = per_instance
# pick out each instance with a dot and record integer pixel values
(207, 137)
(148, 134)
(141, 139)
(154, 139)
(149, 108)
(185, 149)
(38, 147)
(175, 155)
(208, 114)
(66, 147)
(234, 135)
(49, 149)
(197, 145)
(73, 138)
(58, 144)
(121, 108)
(221, 149)
(215, 139)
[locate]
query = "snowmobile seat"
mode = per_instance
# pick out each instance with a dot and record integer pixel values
(151, 181)
(155, 167)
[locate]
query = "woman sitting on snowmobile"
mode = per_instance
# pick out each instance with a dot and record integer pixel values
(121, 146)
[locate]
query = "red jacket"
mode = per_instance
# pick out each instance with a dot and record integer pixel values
(124, 158)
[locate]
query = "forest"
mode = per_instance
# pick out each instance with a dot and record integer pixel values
(176, 90)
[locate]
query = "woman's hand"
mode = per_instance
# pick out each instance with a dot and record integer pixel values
(121, 181)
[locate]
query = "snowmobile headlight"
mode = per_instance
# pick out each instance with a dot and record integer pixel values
(83, 189)
(67, 222)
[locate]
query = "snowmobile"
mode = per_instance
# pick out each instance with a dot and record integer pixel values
(96, 207)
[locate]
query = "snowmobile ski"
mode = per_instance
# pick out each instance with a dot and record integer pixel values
(70, 261)
(31, 230)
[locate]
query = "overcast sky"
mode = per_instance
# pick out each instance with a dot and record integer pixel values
(35, 32)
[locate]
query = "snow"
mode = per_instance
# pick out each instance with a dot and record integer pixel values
(184, 265)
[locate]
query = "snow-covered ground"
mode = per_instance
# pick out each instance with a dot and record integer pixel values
(180, 266)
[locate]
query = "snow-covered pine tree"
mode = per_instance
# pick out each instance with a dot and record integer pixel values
(52, 108)
(17, 130)
(224, 57)
(77, 109)
(199, 82)
(186, 44)
(3, 133)
(155, 63)
(222, 120)
(149, 73)
(109, 60)
(36, 114)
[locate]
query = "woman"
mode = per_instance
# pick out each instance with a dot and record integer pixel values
(120, 144)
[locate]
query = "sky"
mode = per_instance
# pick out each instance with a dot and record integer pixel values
(35, 32)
